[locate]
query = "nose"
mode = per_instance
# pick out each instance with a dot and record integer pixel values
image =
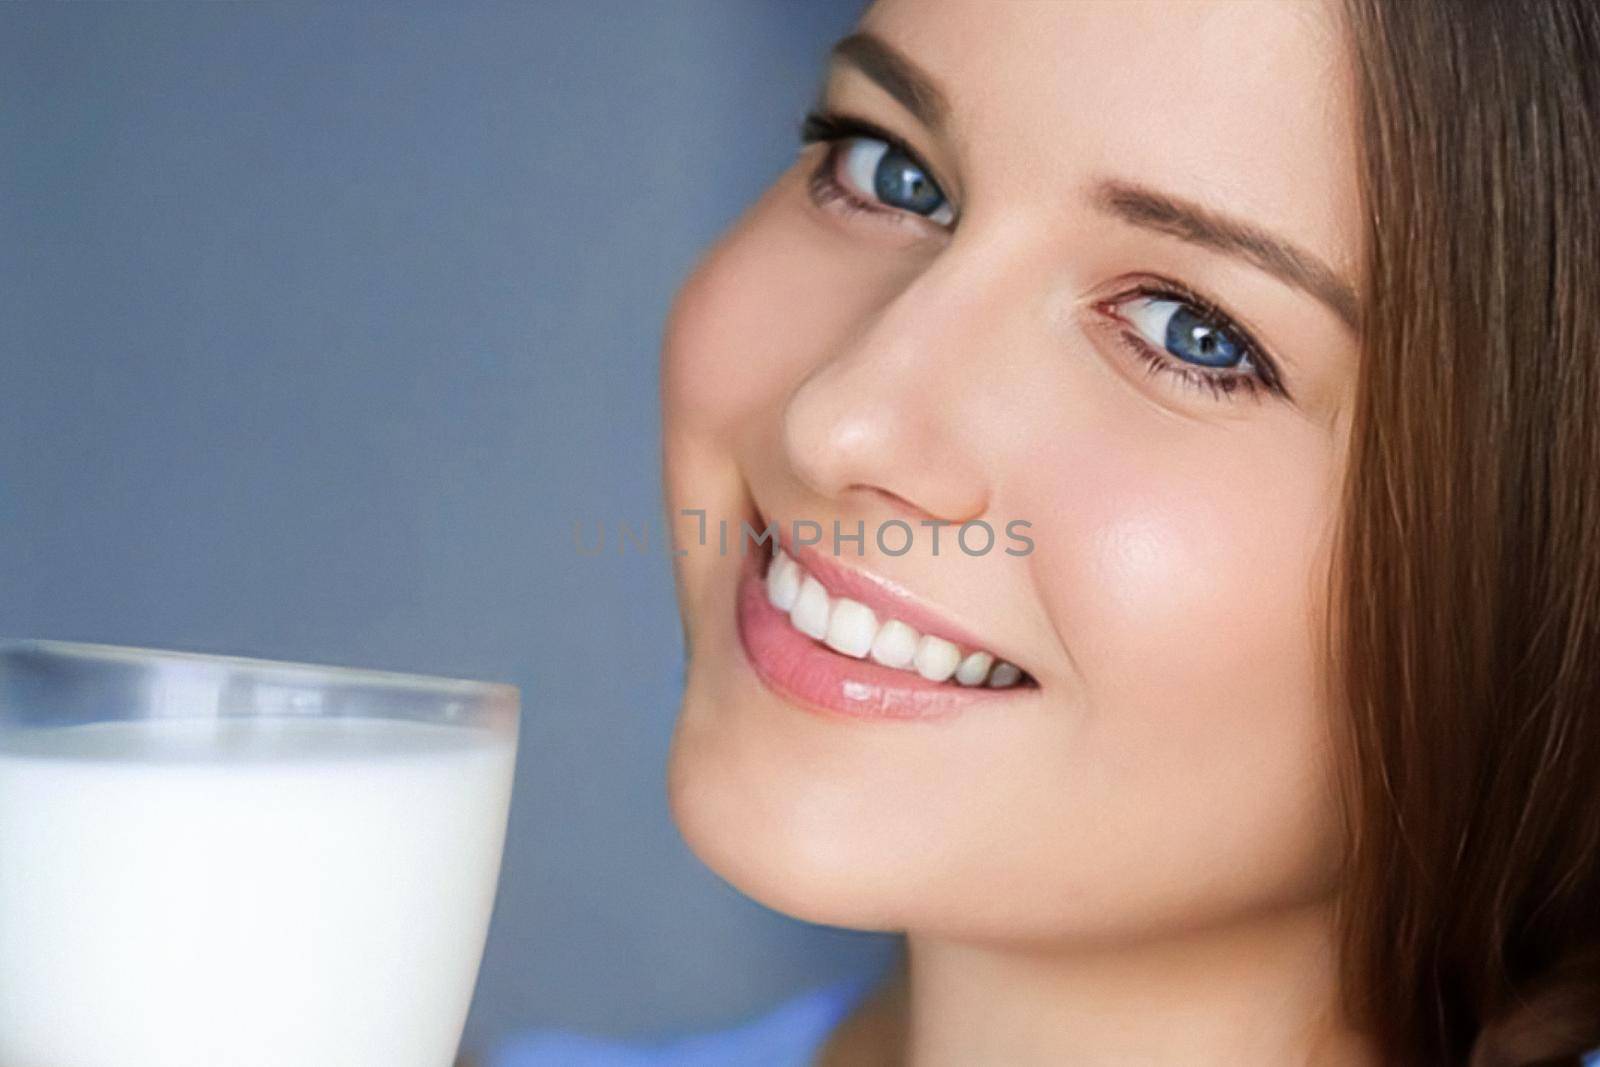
(896, 412)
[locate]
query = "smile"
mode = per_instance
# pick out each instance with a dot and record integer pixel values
(838, 639)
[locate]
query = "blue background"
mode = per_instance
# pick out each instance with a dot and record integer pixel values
(320, 327)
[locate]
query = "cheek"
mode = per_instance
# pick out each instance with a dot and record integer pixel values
(713, 375)
(1186, 586)
(1176, 567)
(743, 330)
(751, 319)
(709, 353)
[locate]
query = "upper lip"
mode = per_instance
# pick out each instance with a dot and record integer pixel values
(886, 598)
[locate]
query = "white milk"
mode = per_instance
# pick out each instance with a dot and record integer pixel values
(268, 892)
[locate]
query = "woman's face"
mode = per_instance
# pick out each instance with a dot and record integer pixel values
(1107, 294)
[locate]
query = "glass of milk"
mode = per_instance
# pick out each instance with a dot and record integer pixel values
(208, 861)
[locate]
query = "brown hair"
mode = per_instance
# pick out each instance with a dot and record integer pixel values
(1469, 599)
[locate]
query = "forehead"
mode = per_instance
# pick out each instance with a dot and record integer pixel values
(1246, 106)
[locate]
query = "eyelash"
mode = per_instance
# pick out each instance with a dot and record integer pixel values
(832, 127)
(1265, 378)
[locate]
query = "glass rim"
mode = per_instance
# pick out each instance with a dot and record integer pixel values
(303, 671)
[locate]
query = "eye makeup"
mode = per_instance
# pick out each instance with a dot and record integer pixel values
(1259, 378)
(836, 129)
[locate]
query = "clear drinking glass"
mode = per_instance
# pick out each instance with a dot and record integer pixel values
(210, 860)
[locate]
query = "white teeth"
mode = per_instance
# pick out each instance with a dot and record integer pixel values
(809, 614)
(1004, 674)
(895, 645)
(783, 581)
(974, 669)
(851, 627)
(936, 658)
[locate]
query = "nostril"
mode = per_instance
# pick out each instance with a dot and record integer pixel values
(895, 500)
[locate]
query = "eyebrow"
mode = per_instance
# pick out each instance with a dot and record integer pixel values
(1190, 222)
(896, 74)
(1135, 204)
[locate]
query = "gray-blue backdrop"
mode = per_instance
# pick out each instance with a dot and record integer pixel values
(319, 326)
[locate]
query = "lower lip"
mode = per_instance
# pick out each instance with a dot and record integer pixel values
(818, 679)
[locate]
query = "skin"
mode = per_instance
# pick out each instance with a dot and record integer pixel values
(1136, 861)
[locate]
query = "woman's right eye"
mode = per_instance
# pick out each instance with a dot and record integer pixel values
(870, 170)
(878, 171)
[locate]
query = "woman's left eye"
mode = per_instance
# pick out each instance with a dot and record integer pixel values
(1201, 345)
(1187, 333)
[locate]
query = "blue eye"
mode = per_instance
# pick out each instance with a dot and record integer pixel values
(868, 168)
(1187, 333)
(883, 172)
(1191, 338)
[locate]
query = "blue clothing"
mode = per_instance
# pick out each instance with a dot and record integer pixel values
(789, 1035)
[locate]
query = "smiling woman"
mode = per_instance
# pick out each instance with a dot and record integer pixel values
(1039, 262)
(1273, 322)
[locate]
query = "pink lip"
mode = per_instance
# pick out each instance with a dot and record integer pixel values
(818, 679)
